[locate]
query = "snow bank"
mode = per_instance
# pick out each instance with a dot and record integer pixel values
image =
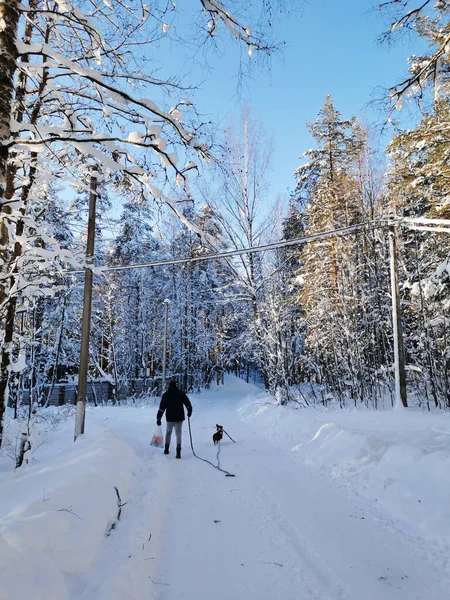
(397, 459)
(56, 511)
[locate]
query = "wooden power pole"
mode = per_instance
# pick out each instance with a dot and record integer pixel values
(399, 351)
(86, 319)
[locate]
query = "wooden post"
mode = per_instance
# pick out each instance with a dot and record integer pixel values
(86, 320)
(399, 352)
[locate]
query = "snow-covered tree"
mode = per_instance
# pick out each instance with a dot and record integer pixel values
(419, 187)
(78, 91)
(335, 279)
(239, 206)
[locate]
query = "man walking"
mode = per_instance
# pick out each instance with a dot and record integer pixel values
(173, 403)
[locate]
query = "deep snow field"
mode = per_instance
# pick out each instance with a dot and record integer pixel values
(325, 504)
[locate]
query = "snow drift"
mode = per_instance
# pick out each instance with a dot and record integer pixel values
(56, 511)
(399, 460)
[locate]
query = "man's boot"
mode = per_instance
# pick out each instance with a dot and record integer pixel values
(178, 451)
(166, 449)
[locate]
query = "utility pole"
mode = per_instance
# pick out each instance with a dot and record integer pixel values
(399, 351)
(166, 317)
(86, 320)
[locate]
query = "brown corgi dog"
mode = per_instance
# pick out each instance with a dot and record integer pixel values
(218, 435)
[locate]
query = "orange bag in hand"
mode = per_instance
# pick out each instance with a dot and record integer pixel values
(157, 439)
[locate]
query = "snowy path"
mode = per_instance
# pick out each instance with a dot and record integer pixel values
(276, 531)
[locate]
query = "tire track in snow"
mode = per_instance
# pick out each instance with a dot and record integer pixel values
(228, 537)
(371, 558)
(206, 535)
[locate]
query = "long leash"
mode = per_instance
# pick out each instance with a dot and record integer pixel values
(218, 467)
(228, 435)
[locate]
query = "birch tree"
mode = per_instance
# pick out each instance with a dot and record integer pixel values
(239, 209)
(9, 20)
(77, 92)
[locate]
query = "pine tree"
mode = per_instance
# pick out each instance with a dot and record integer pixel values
(327, 187)
(334, 280)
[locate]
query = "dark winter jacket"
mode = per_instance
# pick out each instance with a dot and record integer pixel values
(173, 403)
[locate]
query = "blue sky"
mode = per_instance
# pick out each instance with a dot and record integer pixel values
(331, 47)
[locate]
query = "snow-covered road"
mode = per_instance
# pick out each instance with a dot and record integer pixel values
(275, 531)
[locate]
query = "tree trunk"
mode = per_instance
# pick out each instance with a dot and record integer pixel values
(57, 354)
(5, 362)
(9, 15)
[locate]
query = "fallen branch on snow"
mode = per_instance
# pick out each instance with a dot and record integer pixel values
(70, 511)
(156, 582)
(120, 504)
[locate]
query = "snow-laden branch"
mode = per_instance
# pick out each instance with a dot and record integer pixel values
(114, 92)
(429, 19)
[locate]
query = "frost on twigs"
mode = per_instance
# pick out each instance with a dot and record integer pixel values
(429, 20)
(219, 14)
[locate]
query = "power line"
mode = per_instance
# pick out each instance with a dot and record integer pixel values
(415, 227)
(421, 220)
(419, 223)
(423, 224)
(239, 251)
